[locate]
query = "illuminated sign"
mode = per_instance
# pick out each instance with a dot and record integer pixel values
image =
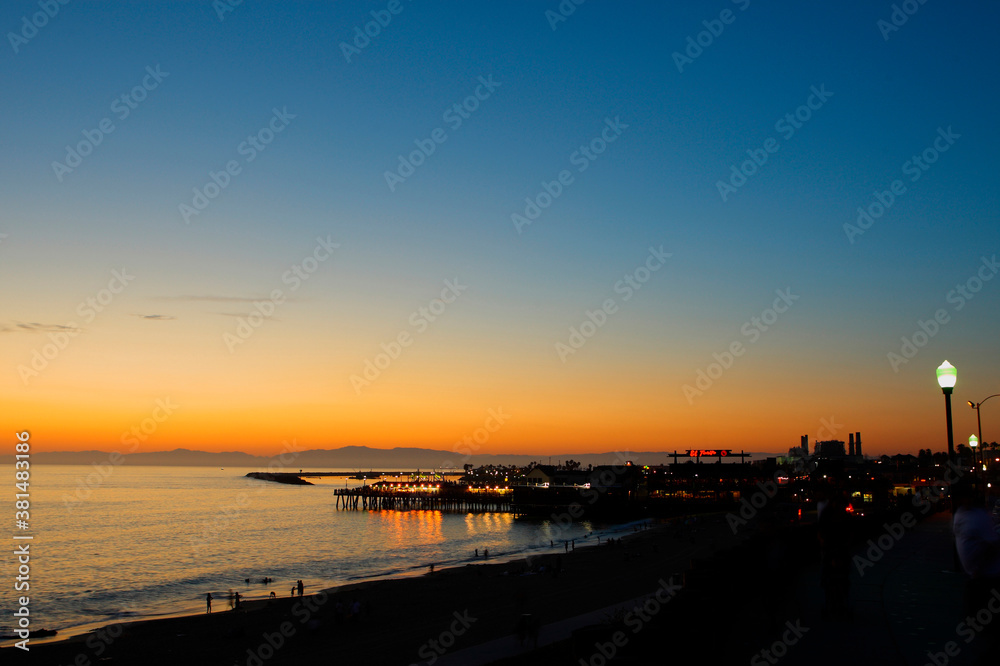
(712, 453)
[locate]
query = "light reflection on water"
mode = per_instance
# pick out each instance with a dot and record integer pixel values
(145, 541)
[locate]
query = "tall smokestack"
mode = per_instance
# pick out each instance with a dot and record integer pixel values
(805, 444)
(850, 444)
(857, 438)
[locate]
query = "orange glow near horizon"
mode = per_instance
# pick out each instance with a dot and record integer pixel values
(611, 397)
(534, 422)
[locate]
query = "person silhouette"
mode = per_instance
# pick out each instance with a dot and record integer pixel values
(208, 602)
(301, 588)
(977, 544)
(236, 602)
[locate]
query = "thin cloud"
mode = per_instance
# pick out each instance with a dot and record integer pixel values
(36, 327)
(155, 317)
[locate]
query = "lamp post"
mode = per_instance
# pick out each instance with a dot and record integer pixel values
(979, 422)
(979, 425)
(974, 445)
(947, 376)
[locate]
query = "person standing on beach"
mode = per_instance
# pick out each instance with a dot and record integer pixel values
(301, 588)
(208, 602)
(236, 602)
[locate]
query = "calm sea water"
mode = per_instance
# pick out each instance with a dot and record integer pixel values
(149, 541)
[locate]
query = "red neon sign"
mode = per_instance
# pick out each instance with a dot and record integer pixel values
(712, 453)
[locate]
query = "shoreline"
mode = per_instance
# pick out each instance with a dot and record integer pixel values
(417, 607)
(259, 595)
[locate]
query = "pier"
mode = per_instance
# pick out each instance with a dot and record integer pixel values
(299, 478)
(447, 498)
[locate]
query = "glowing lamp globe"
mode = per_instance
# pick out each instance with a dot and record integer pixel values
(973, 441)
(947, 375)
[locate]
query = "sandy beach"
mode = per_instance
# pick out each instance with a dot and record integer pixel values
(455, 608)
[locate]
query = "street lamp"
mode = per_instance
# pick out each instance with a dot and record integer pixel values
(947, 376)
(973, 444)
(979, 422)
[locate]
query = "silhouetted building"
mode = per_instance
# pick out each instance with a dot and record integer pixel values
(850, 444)
(831, 448)
(857, 444)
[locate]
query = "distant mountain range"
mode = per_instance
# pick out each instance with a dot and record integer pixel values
(348, 457)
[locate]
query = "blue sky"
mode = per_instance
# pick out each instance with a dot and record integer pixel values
(656, 184)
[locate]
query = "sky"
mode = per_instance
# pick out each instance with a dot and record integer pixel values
(532, 227)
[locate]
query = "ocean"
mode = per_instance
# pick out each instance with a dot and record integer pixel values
(124, 542)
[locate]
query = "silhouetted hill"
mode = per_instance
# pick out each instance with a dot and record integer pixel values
(347, 457)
